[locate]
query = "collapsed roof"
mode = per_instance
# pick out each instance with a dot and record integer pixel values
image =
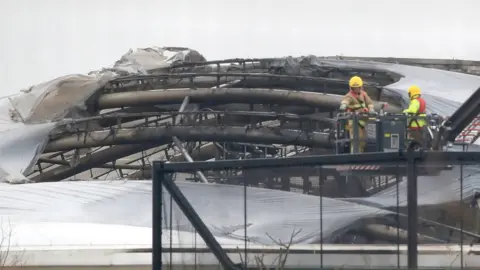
(72, 112)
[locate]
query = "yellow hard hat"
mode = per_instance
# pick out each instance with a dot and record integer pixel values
(355, 81)
(414, 90)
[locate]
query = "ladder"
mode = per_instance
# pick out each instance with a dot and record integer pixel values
(470, 134)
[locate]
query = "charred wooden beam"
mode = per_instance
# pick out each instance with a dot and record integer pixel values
(92, 160)
(224, 96)
(191, 133)
(103, 166)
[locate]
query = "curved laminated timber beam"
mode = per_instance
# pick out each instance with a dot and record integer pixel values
(234, 118)
(265, 72)
(91, 160)
(248, 80)
(234, 75)
(207, 133)
(191, 133)
(113, 96)
(224, 96)
(209, 79)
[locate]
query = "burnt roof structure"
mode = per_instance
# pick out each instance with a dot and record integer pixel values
(172, 104)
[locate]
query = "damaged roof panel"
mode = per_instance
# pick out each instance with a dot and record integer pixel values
(117, 202)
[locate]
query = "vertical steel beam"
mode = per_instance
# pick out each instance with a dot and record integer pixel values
(157, 218)
(397, 216)
(412, 207)
(356, 134)
(161, 179)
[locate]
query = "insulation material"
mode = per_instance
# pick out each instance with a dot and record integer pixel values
(19, 149)
(55, 99)
(64, 97)
(148, 60)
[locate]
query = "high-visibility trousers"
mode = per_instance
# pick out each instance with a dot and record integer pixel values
(362, 139)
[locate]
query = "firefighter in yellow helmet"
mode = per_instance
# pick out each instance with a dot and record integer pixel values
(418, 108)
(357, 101)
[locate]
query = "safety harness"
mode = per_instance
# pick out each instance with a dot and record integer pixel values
(421, 110)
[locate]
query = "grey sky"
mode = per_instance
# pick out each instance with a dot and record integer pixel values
(44, 39)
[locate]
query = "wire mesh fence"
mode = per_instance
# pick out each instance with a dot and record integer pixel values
(385, 211)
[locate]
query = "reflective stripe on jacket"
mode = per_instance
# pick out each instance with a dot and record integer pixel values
(417, 107)
(356, 103)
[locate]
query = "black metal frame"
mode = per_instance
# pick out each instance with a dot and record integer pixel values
(462, 117)
(162, 171)
(342, 134)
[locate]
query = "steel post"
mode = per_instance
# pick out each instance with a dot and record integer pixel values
(356, 133)
(412, 205)
(157, 218)
(190, 213)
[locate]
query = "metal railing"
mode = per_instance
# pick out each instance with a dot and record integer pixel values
(406, 223)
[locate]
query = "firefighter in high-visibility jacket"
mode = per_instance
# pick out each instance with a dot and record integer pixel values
(417, 108)
(357, 101)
